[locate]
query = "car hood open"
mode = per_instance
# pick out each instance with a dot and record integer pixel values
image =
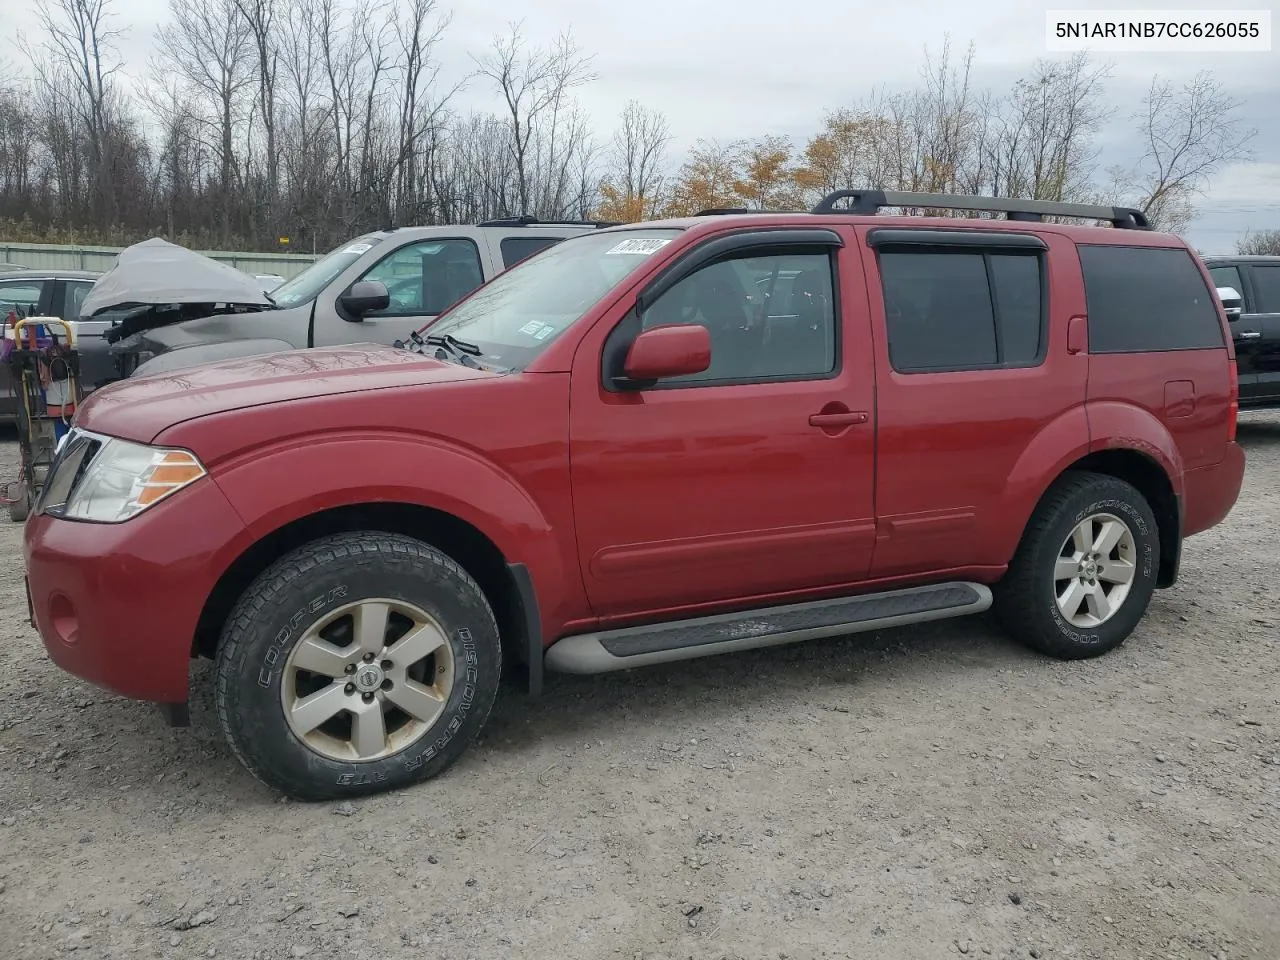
(141, 408)
(158, 273)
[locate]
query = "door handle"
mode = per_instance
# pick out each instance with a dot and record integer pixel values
(1250, 335)
(846, 419)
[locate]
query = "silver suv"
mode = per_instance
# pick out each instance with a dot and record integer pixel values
(183, 309)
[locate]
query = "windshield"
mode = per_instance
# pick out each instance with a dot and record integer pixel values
(519, 313)
(307, 285)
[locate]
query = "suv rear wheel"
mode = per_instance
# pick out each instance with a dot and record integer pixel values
(361, 662)
(1085, 570)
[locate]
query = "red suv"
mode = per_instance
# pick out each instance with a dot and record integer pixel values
(646, 444)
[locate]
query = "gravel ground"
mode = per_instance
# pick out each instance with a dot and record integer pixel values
(929, 792)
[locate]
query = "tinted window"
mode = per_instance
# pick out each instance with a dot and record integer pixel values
(515, 249)
(1266, 288)
(75, 291)
(768, 316)
(427, 277)
(20, 295)
(1227, 277)
(1145, 299)
(962, 310)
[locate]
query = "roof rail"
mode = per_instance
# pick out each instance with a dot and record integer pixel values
(527, 220)
(868, 202)
(737, 211)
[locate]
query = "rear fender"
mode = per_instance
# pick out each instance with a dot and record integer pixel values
(1081, 431)
(1123, 426)
(346, 470)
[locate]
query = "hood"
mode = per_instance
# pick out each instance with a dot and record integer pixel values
(156, 272)
(141, 408)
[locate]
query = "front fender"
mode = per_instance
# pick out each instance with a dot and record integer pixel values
(183, 357)
(270, 488)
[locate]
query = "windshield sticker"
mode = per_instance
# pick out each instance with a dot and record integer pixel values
(537, 329)
(358, 248)
(637, 245)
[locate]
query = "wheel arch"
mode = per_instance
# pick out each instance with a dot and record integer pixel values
(504, 584)
(1150, 478)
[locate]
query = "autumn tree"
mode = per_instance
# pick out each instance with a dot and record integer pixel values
(707, 180)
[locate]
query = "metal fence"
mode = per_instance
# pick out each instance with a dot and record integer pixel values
(67, 257)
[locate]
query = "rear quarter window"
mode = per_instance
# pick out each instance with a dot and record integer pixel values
(1147, 300)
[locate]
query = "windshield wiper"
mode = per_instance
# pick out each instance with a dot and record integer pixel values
(464, 352)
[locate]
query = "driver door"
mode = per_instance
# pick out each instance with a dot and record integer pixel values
(423, 279)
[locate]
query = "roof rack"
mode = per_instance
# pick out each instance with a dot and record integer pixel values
(869, 202)
(526, 220)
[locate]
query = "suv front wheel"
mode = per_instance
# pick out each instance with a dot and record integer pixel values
(1086, 568)
(358, 663)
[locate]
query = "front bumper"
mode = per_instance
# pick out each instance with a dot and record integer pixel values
(117, 603)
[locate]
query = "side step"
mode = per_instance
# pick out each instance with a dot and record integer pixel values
(655, 643)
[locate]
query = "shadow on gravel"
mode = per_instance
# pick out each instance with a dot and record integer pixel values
(1258, 434)
(673, 700)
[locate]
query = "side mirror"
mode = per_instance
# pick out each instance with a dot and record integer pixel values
(365, 296)
(677, 350)
(1232, 302)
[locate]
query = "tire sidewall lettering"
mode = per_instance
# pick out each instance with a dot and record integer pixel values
(1142, 534)
(465, 640)
(275, 652)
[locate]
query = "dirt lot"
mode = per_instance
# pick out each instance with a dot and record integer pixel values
(924, 793)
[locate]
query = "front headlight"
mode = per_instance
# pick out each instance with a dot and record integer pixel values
(122, 479)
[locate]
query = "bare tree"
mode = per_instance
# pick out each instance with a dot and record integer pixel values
(80, 46)
(260, 17)
(1264, 243)
(535, 85)
(207, 44)
(1189, 133)
(633, 185)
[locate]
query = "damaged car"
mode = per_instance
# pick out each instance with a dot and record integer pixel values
(175, 308)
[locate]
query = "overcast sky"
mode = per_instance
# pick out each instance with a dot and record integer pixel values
(742, 68)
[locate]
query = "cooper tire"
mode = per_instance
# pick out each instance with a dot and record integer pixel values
(1035, 599)
(278, 624)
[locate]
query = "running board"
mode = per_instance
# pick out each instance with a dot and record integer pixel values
(767, 627)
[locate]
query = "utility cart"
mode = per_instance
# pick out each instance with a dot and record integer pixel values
(41, 355)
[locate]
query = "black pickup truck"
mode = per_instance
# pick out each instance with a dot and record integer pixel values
(1255, 324)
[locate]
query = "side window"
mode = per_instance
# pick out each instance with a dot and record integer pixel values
(1227, 277)
(962, 309)
(1266, 285)
(74, 292)
(1147, 300)
(426, 277)
(770, 317)
(515, 249)
(22, 296)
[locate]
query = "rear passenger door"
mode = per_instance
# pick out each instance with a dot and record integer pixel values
(1262, 313)
(972, 368)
